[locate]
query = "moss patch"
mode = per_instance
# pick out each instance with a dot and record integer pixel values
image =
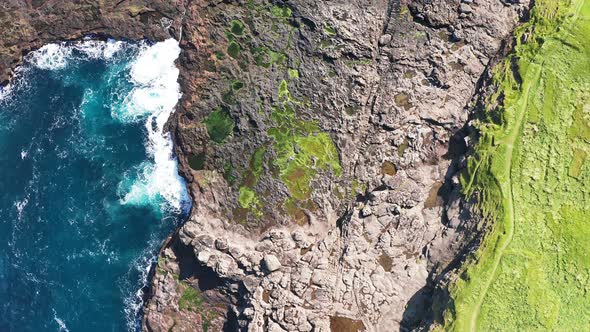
(247, 198)
(233, 49)
(254, 172)
(283, 12)
(302, 149)
(191, 299)
(228, 175)
(293, 73)
(329, 30)
(197, 161)
(237, 85)
(237, 28)
(265, 57)
(219, 125)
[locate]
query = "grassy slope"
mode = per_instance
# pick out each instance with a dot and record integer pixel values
(532, 271)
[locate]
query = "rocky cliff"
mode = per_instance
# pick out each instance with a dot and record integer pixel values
(321, 143)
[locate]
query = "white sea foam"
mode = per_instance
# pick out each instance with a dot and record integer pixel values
(4, 91)
(56, 56)
(152, 100)
(51, 56)
(156, 83)
(133, 301)
(20, 206)
(96, 49)
(60, 322)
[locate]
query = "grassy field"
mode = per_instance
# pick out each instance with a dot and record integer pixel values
(532, 178)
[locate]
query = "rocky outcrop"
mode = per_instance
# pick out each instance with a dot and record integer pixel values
(392, 84)
(321, 143)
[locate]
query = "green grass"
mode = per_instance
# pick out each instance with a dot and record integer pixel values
(532, 271)
(191, 299)
(219, 125)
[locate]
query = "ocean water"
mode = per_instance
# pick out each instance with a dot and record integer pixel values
(88, 183)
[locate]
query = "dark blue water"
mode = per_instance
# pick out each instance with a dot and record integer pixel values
(88, 184)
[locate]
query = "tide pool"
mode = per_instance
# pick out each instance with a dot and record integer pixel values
(88, 183)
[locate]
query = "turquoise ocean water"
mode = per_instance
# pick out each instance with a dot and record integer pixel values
(88, 183)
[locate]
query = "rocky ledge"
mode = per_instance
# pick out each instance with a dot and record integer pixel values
(321, 142)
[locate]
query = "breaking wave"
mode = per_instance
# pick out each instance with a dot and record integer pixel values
(153, 98)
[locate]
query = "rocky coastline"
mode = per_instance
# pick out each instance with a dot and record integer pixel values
(321, 143)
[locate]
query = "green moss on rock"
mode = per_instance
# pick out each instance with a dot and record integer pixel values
(237, 85)
(283, 12)
(293, 73)
(329, 30)
(228, 173)
(247, 197)
(302, 150)
(249, 200)
(237, 27)
(234, 49)
(219, 125)
(197, 161)
(265, 57)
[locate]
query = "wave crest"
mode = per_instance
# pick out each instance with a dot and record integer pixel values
(153, 99)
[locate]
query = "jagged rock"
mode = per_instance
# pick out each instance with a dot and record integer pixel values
(297, 236)
(384, 39)
(221, 245)
(271, 263)
(465, 8)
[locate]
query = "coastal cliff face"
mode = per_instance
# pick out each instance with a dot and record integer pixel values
(321, 144)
